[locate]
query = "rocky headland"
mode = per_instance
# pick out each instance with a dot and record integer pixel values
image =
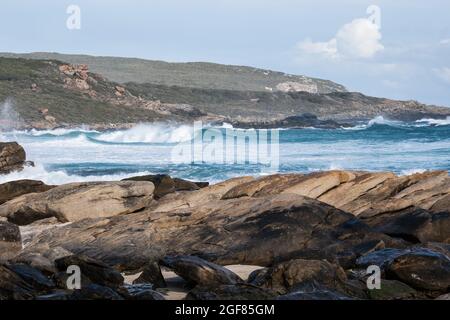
(44, 93)
(304, 236)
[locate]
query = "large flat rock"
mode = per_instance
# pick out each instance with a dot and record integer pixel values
(77, 201)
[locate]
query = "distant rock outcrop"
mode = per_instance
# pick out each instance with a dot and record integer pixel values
(292, 86)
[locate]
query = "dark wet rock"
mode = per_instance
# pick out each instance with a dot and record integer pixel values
(314, 292)
(10, 240)
(13, 287)
(56, 295)
(151, 275)
(140, 292)
(380, 258)
(12, 157)
(354, 288)
(392, 290)
(422, 269)
(14, 189)
(95, 292)
(92, 271)
(286, 276)
(41, 257)
(443, 248)
(32, 276)
(231, 292)
(412, 224)
(200, 272)
(305, 120)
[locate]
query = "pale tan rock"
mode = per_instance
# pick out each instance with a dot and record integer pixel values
(351, 190)
(317, 184)
(266, 185)
(77, 201)
(206, 195)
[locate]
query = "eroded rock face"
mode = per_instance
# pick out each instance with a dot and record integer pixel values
(12, 157)
(77, 201)
(10, 240)
(415, 207)
(14, 189)
(251, 231)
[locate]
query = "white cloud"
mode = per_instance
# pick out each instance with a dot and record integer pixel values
(328, 49)
(445, 42)
(443, 73)
(360, 38)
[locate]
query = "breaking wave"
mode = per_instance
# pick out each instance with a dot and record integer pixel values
(149, 133)
(56, 177)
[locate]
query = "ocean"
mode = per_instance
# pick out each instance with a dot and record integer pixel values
(73, 155)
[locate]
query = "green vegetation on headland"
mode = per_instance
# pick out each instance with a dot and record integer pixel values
(51, 93)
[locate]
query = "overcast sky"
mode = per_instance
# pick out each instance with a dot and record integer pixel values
(400, 51)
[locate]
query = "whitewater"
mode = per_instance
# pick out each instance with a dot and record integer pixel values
(81, 154)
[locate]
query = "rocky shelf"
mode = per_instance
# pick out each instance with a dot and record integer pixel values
(306, 237)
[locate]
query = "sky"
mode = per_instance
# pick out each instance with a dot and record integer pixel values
(395, 49)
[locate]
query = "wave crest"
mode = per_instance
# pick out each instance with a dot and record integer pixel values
(149, 133)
